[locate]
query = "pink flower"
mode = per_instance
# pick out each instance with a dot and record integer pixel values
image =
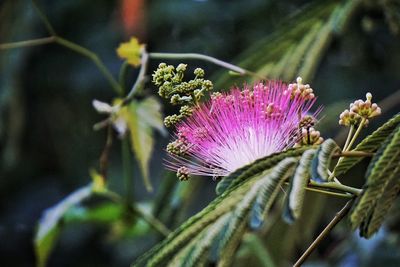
(236, 128)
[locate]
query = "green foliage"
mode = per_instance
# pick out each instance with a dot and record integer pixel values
(228, 250)
(297, 190)
(48, 228)
(199, 255)
(256, 167)
(322, 161)
(237, 200)
(369, 144)
(297, 45)
(383, 180)
(140, 118)
(268, 189)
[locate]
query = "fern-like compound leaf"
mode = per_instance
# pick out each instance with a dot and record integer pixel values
(268, 188)
(384, 168)
(297, 189)
(322, 160)
(256, 167)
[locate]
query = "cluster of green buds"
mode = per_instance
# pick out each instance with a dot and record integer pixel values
(299, 89)
(308, 134)
(178, 147)
(360, 111)
(171, 84)
(183, 174)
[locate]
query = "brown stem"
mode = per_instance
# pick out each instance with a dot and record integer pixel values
(103, 161)
(338, 217)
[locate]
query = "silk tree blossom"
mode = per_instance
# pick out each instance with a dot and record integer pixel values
(236, 128)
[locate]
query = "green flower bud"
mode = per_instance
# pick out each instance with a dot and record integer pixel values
(199, 72)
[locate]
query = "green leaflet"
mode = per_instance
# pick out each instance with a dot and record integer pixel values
(297, 190)
(322, 161)
(240, 212)
(231, 245)
(48, 228)
(268, 188)
(255, 168)
(382, 171)
(199, 255)
(369, 144)
(384, 204)
(140, 118)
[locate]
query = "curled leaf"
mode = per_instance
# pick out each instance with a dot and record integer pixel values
(322, 161)
(299, 181)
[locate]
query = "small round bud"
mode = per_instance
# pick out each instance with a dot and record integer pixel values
(181, 67)
(207, 85)
(199, 72)
(186, 111)
(175, 99)
(183, 174)
(172, 120)
(307, 122)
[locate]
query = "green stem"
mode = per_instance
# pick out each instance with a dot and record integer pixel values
(27, 43)
(218, 62)
(150, 219)
(363, 120)
(348, 144)
(140, 78)
(127, 171)
(348, 137)
(326, 192)
(312, 189)
(44, 18)
(337, 186)
(353, 154)
(122, 75)
(92, 56)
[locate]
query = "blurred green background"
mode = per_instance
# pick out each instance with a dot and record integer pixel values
(47, 144)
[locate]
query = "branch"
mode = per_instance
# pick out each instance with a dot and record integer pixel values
(141, 78)
(44, 18)
(103, 161)
(338, 217)
(355, 154)
(27, 43)
(337, 186)
(218, 62)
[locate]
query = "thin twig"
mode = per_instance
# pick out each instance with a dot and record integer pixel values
(337, 186)
(355, 154)
(103, 161)
(312, 189)
(141, 78)
(338, 217)
(27, 43)
(155, 223)
(44, 18)
(218, 62)
(92, 56)
(152, 221)
(77, 48)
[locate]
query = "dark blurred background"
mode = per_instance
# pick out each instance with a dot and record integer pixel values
(47, 144)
